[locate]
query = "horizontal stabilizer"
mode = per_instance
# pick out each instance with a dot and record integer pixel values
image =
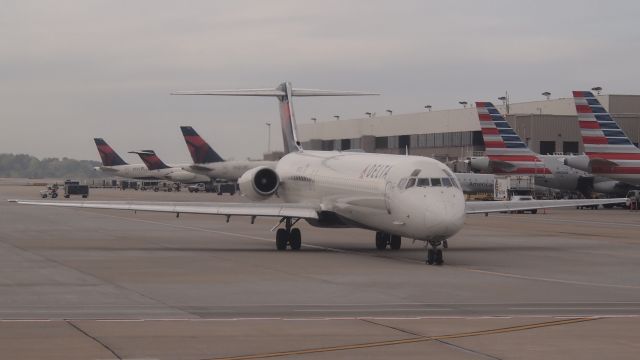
(502, 166)
(274, 92)
(600, 162)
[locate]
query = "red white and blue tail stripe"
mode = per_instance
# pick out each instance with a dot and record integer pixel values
(608, 147)
(504, 146)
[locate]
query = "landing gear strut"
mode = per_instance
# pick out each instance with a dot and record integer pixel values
(288, 236)
(383, 239)
(434, 254)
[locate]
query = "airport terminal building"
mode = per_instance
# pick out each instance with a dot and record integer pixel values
(548, 126)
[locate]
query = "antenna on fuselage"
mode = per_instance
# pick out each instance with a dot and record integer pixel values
(284, 92)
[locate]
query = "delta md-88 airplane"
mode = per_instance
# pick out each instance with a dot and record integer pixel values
(393, 195)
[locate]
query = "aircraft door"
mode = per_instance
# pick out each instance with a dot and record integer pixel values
(387, 196)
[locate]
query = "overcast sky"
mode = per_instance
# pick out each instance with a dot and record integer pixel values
(74, 70)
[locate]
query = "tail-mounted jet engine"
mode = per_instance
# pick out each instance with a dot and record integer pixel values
(259, 183)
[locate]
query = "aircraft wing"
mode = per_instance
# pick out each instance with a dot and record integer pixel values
(228, 209)
(480, 207)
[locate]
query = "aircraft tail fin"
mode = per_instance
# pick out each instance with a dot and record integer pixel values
(504, 146)
(108, 156)
(601, 134)
(201, 152)
(284, 93)
(150, 159)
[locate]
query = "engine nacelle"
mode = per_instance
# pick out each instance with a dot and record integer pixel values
(485, 165)
(181, 176)
(479, 163)
(580, 162)
(259, 183)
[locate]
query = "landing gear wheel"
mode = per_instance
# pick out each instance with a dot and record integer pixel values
(282, 238)
(395, 242)
(434, 254)
(295, 239)
(430, 256)
(438, 257)
(382, 239)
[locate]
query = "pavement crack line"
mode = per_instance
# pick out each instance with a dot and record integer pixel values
(446, 343)
(411, 340)
(94, 276)
(80, 330)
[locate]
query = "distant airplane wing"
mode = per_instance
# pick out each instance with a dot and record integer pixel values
(228, 209)
(479, 207)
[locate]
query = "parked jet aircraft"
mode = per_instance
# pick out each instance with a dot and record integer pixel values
(113, 164)
(393, 195)
(609, 151)
(166, 172)
(507, 154)
(207, 162)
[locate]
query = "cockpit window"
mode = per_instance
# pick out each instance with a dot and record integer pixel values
(452, 178)
(411, 182)
(402, 183)
(446, 182)
(436, 182)
(423, 182)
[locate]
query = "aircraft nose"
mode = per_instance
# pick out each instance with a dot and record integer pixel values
(445, 216)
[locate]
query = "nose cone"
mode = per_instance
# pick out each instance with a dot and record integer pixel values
(444, 215)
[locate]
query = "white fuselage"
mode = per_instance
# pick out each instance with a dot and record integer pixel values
(228, 170)
(370, 191)
(140, 171)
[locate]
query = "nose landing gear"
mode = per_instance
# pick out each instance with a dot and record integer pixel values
(434, 254)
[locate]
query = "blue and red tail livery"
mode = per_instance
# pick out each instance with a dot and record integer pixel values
(201, 152)
(108, 156)
(503, 145)
(604, 139)
(152, 160)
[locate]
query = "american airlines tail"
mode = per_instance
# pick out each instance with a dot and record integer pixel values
(108, 156)
(609, 149)
(284, 93)
(150, 159)
(507, 153)
(201, 152)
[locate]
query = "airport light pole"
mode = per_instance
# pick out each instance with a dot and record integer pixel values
(463, 103)
(389, 111)
(337, 117)
(315, 120)
(597, 89)
(546, 94)
(505, 101)
(369, 114)
(428, 107)
(268, 137)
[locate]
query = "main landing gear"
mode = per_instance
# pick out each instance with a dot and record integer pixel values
(288, 236)
(383, 239)
(434, 254)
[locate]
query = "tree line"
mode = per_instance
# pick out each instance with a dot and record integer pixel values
(27, 166)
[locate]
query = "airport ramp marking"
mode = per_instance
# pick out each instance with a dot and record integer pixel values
(572, 282)
(185, 227)
(411, 340)
(495, 273)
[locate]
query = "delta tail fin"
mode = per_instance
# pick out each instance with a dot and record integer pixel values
(150, 159)
(504, 148)
(108, 156)
(199, 149)
(284, 93)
